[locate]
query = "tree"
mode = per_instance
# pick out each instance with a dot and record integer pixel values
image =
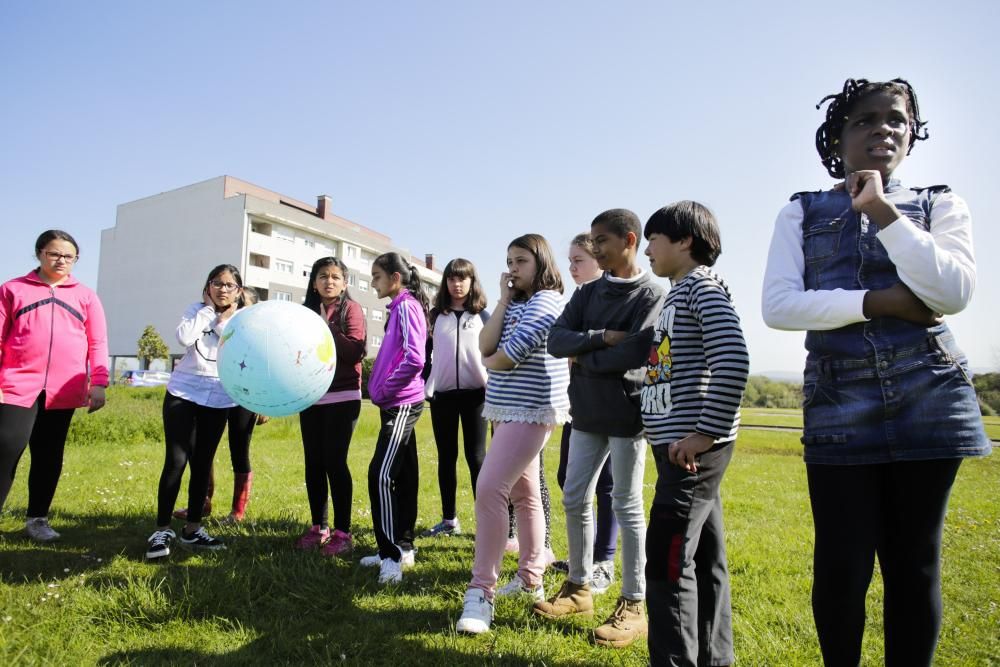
(151, 347)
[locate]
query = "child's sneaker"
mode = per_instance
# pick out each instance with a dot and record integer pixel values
(560, 566)
(602, 576)
(626, 624)
(512, 546)
(477, 613)
(313, 538)
(446, 527)
(407, 557)
(158, 544)
(340, 544)
(516, 586)
(39, 530)
(370, 561)
(390, 572)
(201, 540)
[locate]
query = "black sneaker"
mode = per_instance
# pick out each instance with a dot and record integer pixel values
(200, 539)
(560, 566)
(158, 544)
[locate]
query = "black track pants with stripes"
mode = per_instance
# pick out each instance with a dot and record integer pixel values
(393, 480)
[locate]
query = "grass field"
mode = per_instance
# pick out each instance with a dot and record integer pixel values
(90, 598)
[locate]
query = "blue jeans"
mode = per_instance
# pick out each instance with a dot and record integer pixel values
(587, 454)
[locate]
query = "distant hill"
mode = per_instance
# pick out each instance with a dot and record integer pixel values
(781, 376)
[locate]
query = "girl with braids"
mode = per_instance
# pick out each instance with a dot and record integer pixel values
(456, 382)
(868, 269)
(397, 388)
(526, 398)
(327, 425)
(195, 411)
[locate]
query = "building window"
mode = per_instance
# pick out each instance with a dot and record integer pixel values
(377, 315)
(263, 228)
(283, 234)
(376, 341)
(350, 250)
(261, 261)
(282, 296)
(352, 280)
(284, 266)
(363, 285)
(309, 243)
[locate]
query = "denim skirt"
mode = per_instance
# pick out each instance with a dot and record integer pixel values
(915, 404)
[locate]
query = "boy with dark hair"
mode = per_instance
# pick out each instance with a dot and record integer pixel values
(606, 330)
(697, 372)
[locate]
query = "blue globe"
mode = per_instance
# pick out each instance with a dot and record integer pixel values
(277, 358)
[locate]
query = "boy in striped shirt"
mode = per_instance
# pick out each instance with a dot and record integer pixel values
(696, 374)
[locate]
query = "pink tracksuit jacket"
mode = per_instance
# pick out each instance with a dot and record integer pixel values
(53, 338)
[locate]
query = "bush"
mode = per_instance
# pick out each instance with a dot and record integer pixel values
(762, 392)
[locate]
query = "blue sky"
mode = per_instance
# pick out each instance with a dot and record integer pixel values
(456, 126)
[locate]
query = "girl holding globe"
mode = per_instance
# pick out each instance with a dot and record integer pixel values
(195, 410)
(327, 425)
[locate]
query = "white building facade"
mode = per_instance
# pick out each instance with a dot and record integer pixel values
(155, 260)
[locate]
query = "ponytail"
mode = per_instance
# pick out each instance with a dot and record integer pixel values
(393, 262)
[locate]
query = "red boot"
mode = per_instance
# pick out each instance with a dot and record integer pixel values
(242, 481)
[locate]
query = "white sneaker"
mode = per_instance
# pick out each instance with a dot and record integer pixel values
(516, 586)
(477, 613)
(370, 561)
(602, 576)
(407, 557)
(39, 530)
(391, 572)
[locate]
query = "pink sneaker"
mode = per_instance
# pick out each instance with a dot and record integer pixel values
(313, 538)
(340, 544)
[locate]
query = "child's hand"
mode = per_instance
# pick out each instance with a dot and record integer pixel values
(900, 302)
(262, 419)
(867, 196)
(95, 399)
(612, 337)
(685, 451)
(505, 287)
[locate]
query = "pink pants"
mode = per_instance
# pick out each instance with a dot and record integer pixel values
(510, 470)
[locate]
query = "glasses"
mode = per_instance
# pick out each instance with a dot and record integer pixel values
(224, 287)
(54, 257)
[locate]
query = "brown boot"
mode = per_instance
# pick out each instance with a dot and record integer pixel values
(242, 481)
(624, 626)
(571, 600)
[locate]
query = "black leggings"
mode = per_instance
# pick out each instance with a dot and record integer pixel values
(326, 438)
(895, 510)
(44, 433)
(192, 433)
(241, 422)
(446, 410)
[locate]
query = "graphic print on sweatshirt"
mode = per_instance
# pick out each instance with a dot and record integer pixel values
(655, 396)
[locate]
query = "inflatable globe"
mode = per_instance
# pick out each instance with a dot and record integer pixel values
(276, 358)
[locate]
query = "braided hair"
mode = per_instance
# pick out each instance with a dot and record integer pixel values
(828, 134)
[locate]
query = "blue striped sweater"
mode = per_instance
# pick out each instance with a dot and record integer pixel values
(535, 390)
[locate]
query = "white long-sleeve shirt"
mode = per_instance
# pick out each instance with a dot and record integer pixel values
(938, 267)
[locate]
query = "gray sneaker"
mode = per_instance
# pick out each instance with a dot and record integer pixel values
(602, 576)
(39, 530)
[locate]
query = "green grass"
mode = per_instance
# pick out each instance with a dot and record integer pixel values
(91, 599)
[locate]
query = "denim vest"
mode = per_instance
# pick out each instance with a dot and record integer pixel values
(842, 251)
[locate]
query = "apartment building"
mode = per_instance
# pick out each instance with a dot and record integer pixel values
(155, 259)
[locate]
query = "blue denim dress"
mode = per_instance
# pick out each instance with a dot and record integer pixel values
(883, 390)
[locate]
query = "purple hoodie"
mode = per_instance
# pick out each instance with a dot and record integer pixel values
(395, 379)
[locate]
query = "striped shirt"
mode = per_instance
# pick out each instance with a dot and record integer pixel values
(535, 390)
(698, 363)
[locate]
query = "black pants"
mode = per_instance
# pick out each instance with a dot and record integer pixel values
(393, 480)
(687, 576)
(447, 408)
(894, 510)
(326, 438)
(241, 423)
(44, 432)
(192, 433)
